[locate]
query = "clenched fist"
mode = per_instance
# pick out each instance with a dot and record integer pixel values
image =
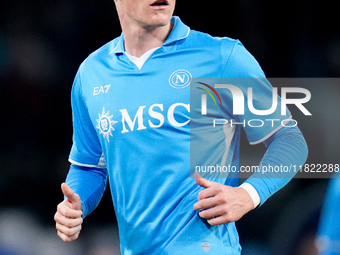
(221, 204)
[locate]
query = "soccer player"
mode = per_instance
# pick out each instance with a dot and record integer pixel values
(131, 120)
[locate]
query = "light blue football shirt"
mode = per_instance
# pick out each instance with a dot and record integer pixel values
(136, 123)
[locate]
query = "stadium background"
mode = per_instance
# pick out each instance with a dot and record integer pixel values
(42, 44)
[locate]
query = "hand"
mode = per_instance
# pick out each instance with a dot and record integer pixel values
(68, 216)
(221, 204)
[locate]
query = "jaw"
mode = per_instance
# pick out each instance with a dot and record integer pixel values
(160, 13)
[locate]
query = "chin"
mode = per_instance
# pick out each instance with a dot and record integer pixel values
(160, 20)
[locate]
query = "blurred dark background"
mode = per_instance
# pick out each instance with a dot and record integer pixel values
(42, 43)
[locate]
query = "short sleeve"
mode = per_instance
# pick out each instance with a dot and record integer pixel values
(261, 116)
(86, 149)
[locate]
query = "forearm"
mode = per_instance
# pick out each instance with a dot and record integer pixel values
(89, 183)
(286, 147)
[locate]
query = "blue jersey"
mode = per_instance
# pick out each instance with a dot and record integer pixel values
(136, 124)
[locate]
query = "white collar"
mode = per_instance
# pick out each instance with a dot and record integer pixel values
(139, 62)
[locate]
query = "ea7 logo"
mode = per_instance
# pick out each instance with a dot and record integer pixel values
(180, 79)
(101, 90)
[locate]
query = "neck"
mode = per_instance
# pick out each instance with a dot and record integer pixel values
(139, 40)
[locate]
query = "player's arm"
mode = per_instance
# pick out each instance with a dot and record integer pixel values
(286, 147)
(86, 180)
(83, 191)
(221, 204)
